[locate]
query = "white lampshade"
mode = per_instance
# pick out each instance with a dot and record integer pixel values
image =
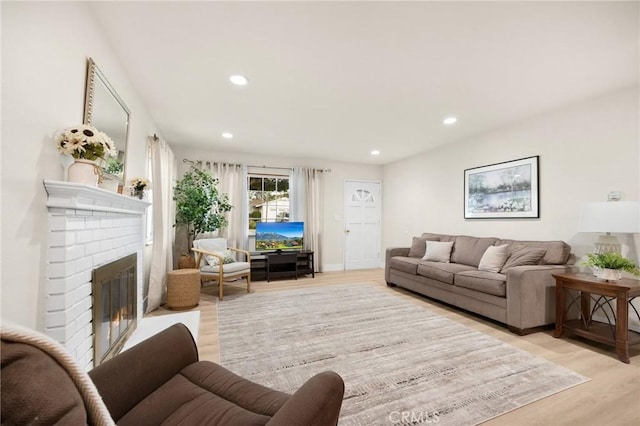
(620, 217)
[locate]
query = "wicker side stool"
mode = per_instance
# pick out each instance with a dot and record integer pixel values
(183, 289)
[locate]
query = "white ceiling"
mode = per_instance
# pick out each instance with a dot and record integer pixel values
(336, 80)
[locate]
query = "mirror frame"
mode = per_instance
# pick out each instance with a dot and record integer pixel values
(96, 76)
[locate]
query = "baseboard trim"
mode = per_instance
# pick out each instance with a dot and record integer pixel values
(334, 267)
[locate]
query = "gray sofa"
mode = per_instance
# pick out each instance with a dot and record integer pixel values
(521, 294)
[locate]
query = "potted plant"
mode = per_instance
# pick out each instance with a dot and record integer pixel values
(199, 205)
(607, 266)
(85, 144)
(114, 166)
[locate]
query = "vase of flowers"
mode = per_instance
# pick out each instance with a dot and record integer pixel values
(138, 186)
(85, 144)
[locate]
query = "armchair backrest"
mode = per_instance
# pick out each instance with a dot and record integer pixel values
(216, 245)
(42, 383)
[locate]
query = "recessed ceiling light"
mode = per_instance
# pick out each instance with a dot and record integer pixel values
(375, 152)
(227, 135)
(239, 80)
(450, 120)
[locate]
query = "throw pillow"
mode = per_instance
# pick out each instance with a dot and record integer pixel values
(418, 246)
(493, 258)
(437, 251)
(520, 255)
(214, 261)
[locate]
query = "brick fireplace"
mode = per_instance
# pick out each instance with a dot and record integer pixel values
(88, 228)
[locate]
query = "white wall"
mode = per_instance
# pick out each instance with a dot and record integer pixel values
(45, 47)
(333, 205)
(586, 150)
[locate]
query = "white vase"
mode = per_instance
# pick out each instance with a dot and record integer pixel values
(84, 171)
(608, 274)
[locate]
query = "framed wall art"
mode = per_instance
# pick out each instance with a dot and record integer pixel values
(508, 190)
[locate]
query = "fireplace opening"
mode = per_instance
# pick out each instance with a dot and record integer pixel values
(114, 306)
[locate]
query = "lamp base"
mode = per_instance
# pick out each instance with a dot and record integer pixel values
(607, 244)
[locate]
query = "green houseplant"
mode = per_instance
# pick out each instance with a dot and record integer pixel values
(200, 207)
(608, 265)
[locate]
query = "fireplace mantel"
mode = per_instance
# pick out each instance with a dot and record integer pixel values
(69, 195)
(87, 227)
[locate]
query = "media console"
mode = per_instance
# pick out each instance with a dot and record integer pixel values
(285, 264)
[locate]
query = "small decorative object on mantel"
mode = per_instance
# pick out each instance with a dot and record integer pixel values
(85, 144)
(608, 266)
(138, 186)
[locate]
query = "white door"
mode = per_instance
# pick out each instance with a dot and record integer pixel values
(362, 225)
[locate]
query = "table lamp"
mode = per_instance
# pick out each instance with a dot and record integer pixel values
(618, 217)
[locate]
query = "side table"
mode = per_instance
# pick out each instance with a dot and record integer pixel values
(615, 331)
(183, 289)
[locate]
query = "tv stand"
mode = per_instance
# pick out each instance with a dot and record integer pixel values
(281, 264)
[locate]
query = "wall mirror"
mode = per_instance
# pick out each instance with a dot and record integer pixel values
(105, 110)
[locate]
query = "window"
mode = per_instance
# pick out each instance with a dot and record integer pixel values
(268, 199)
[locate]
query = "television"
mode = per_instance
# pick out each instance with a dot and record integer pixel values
(279, 236)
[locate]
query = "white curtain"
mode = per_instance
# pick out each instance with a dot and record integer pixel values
(233, 181)
(306, 190)
(164, 170)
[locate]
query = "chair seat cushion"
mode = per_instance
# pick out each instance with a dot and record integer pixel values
(227, 268)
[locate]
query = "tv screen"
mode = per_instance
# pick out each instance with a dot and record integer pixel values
(279, 236)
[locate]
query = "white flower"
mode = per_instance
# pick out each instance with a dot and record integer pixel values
(85, 141)
(140, 183)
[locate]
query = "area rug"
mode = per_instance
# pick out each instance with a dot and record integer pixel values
(401, 363)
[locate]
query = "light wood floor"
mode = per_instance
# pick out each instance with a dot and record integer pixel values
(612, 397)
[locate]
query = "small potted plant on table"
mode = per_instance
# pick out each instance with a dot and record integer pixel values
(608, 266)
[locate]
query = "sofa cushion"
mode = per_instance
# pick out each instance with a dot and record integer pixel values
(437, 251)
(404, 264)
(520, 255)
(493, 258)
(485, 282)
(443, 272)
(557, 252)
(469, 250)
(418, 245)
(439, 237)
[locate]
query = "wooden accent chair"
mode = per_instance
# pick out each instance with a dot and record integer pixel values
(215, 262)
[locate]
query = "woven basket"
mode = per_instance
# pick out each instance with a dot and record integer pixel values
(186, 261)
(183, 289)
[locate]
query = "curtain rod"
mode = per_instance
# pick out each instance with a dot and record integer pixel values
(185, 160)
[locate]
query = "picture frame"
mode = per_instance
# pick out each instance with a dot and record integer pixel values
(507, 190)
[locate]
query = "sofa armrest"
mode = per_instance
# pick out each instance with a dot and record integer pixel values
(316, 403)
(129, 377)
(391, 252)
(531, 295)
